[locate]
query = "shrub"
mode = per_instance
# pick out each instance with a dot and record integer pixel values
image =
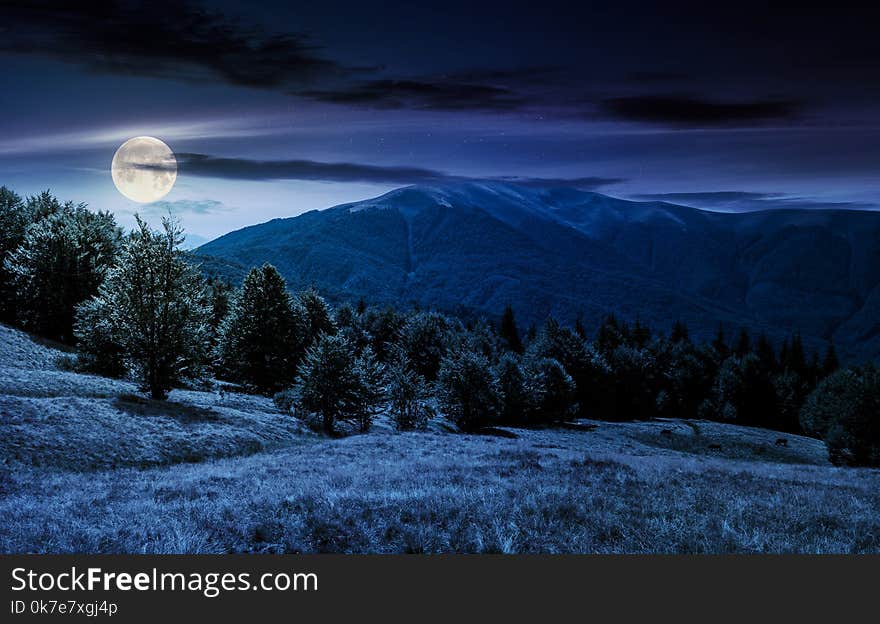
(844, 410)
(468, 392)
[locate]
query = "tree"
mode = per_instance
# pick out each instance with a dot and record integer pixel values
(468, 392)
(512, 390)
(383, 327)
(59, 263)
(509, 332)
(219, 293)
(424, 338)
(633, 378)
(609, 335)
(317, 313)
(679, 332)
(745, 391)
(550, 390)
(830, 363)
(264, 335)
(153, 301)
(587, 367)
(719, 344)
(337, 384)
(14, 220)
(408, 395)
(844, 410)
(743, 344)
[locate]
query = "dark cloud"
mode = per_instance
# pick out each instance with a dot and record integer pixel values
(159, 38)
(695, 111)
(745, 201)
(422, 94)
(246, 169)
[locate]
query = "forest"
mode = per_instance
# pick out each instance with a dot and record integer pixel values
(135, 305)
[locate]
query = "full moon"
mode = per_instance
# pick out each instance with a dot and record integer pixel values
(144, 169)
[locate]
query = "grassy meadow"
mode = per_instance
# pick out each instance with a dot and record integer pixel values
(90, 466)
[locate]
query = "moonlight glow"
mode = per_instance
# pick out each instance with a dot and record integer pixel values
(144, 169)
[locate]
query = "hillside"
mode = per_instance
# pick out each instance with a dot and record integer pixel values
(474, 247)
(90, 466)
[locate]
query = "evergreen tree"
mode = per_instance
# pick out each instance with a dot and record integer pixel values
(640, 334)
(579, 329)
(264, 334)
(719, 344)
(743, 344)
(59, 263)
(830, 363)
(361, 306)
(317, 313)
(766, 354)
(153, 304)
(679, 332)
(608, 336)
(219, 299)
(337, 384)
(509, 332)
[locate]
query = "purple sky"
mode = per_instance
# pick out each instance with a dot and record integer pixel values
(276, 109)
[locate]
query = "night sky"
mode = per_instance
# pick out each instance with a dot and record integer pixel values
(274, 109)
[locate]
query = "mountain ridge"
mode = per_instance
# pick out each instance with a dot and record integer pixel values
(477, 246)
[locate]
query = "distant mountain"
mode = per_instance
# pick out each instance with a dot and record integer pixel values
(474, 247)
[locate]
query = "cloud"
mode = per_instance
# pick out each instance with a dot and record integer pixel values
(695, 111)
(183, 207)
(476, 89)
(745, 201)
(159, 38)
(175, 39)
(422, 94)
(205, 165)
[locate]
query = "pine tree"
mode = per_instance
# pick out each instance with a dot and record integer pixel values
(679, 332)
(640, 334)
(317, 313)
(153, 302)
(719, 344)
(509, 332)
(766, 354)
(264, 335)
(743, 344)
(830, 363)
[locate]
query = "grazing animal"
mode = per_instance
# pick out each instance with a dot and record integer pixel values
(714, 447)
(781, 441)
(666, 433)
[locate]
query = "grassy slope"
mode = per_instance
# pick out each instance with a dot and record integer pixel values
(621, 488)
